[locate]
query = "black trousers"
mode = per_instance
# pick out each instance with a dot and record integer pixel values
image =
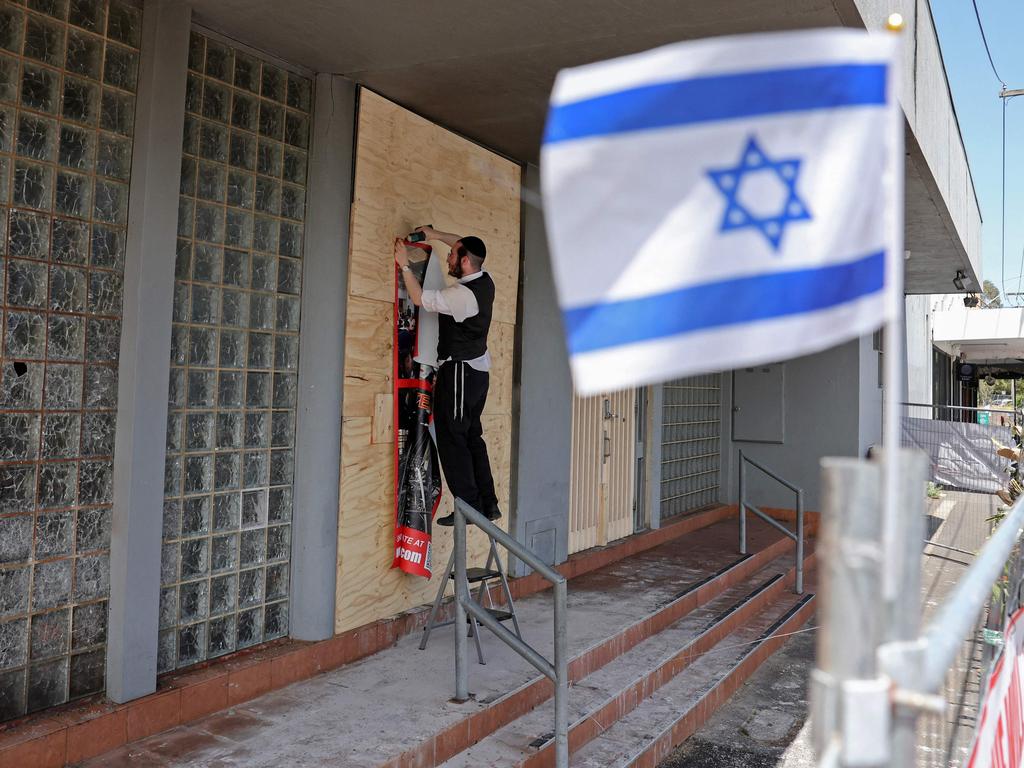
(460, 392)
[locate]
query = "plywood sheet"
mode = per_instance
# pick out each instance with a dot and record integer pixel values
(410, 172)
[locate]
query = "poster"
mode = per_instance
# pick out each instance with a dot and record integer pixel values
(417, 471)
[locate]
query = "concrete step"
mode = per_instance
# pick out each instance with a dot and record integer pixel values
(611, 692)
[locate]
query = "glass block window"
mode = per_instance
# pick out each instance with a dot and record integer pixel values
(234, 356)
(691, 443)
(68, 73)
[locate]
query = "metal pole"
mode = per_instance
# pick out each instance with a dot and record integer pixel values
(799, 542)
(561, 677)
(851, 557)
(743, 507)
(461, 598)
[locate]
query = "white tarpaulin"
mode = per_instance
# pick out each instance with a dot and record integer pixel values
(963, 455)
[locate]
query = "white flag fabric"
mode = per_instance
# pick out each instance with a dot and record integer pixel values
(724, 202)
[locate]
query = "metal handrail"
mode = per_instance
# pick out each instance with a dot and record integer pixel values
(558, 670)
(798, 537)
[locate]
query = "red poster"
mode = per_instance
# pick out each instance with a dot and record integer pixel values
(417, 472)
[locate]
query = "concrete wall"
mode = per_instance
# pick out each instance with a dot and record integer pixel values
(919, 349)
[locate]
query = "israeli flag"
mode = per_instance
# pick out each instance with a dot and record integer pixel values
(724, 202)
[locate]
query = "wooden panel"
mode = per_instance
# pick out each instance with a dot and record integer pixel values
(585, 486)
(620, 467)
(409, 172)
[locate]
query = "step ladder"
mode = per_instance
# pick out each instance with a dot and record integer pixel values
(481, 577)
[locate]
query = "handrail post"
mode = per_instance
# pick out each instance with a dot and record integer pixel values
(561, 677)
(799, 542)
(461, 598)
(743, 506)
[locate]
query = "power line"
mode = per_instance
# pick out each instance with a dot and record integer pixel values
(981, 29)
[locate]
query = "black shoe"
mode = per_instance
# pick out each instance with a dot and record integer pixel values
(492, 513)
(448, 520)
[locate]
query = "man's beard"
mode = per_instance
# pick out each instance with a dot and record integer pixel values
(456, 271)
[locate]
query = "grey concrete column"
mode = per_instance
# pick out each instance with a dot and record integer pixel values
(321, 353)
(541, 490)
(144, 369)
(652, 453)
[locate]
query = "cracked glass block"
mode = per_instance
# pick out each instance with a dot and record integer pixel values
(257, 432)
(269, 159)
(88, 672)
(96, 482)
(213, 142)
(92, 531)
(195, 516)
(87, 14)
(225, 557)
(238, 229)
(17, 488)
(218, 60)
(176, 388)
(226, 472)
(232, 349)
(294, 166)
(299, 90)
(26, 334)
(40, 89)
(273, 83)
(14, 586)
(37, 137)
(210, 182)
(51, 634)
(265, 235)
(229, 394)
(53, 534)
(190, 136)
(279, 542)
(234, 308)
(195, 557)
(250, 628)
(280, 505)
(285, 387)
(105, 293)
(168, 607)
(12, 25)
(47, 684)
(172, 476)
(92, 577)
(261, 314)
(5, 166)
(283, 429)
(227, 511)
(252, 547)
(15, 542)
(84, 54)
(172, 520)
(67, 289)
(289, 275)
(66, 339)
(72, 195)
(293, 202)
(12, 694)
(60, 435)
(179, 343)
(263, 273)
(51, 584)
(114, 158)
(102, 340)
(33, 185)
(169, 563)
(21, 387)
(260, 346)
(222, 636)
(56, 8)
(183, 259)
(268, 196)
(100, 386)
(277, 581)
(174, 425)
(256, 473)
(19, 436)
(250, 586)
(191, 644)
(179, 313)
(286, 352)
(13, 644)
(275, 623)
(110, 202)
(205, 305)
(216, 102)
(198, 474)
(290, 240)
(247, 72)
(63, 387)
(76, 148)
(239, 189)
(229, 430)
(107, 247)
(202, 389)
(242, 153)
(6, 128)
(117, 112)
(209, 223)
(196, 51)
(194, 600)
(57, 482)
(206, 263)
(257, 390)
(81, 101)
(199, 431)
(28, 235)
(282, 467)
(167, 645)
(26, 283)
(287, 313)
(98, 434)
(88, 625)
(124, 23)
(244, 112)
(44, 41)
(121, 68)
(296, 130)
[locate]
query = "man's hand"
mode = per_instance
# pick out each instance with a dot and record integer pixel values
(401, 254)
(428, 232)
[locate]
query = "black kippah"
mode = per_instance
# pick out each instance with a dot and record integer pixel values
(475, 246)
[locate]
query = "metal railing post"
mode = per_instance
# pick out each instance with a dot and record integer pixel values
(461, 598)
(561, 677)
(743, 506)
(799, 542)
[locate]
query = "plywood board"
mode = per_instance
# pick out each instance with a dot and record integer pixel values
(410, 172)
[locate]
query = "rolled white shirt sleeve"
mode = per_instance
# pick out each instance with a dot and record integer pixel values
(455, 300)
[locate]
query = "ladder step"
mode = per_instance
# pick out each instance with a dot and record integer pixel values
(497, 613)
(474, 575)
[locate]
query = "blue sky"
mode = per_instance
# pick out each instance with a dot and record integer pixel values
(979, 111)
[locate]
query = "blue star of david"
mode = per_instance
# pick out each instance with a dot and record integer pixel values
(737, 216)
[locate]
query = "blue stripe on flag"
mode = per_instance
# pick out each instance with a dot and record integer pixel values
(729, 302)
(720, 97)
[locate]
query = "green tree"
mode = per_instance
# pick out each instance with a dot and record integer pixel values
(992, 298)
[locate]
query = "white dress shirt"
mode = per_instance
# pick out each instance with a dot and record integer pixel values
(459, 302)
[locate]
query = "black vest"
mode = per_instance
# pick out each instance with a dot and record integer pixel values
(467, 340)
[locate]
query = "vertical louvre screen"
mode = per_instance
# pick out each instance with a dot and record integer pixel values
(234, 356)
(68, 75)
(691, 443)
